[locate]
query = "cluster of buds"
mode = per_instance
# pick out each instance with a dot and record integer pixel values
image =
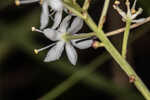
(131, 14)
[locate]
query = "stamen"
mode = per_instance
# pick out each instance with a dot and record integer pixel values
(37, 30)
(128, 7)
(18, 2)
(41, 2)
(36, 51)
(140, 10)
(117, 3)
(122, 13)
(134, 4)
(133, 11)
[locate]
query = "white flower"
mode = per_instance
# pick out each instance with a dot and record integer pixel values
(56, 6)
(62, 42)
(131, 13)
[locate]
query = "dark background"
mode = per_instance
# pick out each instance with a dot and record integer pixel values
(24, 76)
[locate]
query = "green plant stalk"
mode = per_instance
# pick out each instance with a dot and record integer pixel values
(115, 54)
(86, 5)
(125, 38)
(104, 13)
(118, 58)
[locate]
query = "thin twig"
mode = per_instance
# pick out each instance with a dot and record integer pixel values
(118, 31)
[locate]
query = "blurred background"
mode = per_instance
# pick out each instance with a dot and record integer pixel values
(24, 75)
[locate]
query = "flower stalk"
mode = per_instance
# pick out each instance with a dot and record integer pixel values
(125, 38)
(114, 53)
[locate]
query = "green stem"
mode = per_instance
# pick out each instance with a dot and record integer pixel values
(115, 54)
(86, 5)
(104, 13)
(125, 38)
(80, 36)
(119, 59)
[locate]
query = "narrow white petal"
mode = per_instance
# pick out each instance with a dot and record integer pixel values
(138, 20)
(82, 44)
(57, 19)
(64, 24)
(76, 25)
(56, 5)
(44, 16)
(55, 52)
(27, 1)
(71, 53)
(51, 34)
(120, 11)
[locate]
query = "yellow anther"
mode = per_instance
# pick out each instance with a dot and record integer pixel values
(33, 28)
(133, 11)
(41, 2)
(17, 2)
(117, 2)
(36, 51)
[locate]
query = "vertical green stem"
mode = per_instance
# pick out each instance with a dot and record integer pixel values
(119, 59)
(125, 38)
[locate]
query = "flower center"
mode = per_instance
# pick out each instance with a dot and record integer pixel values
(64, 37)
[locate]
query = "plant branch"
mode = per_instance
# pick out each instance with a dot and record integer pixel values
(125, 38)
(116, 55)
(104, 13)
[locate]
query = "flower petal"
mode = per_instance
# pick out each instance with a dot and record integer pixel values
(71, 53)
(55, 52)
(51, 34)
(57, 19)
(44, 16)
(76, 25)
(26, 1)
(138, 20)
(120, 11)
(82, 44)
(56, 5)
(64, 24)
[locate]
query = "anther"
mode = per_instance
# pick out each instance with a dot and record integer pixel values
(133, 11)
(41, 2)
(17, 2)
(117, 2)
(33, 28)
(37, 30)
(36, 51)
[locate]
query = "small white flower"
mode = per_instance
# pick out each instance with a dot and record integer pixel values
(62, 42)
(131, 12)
(56, 6)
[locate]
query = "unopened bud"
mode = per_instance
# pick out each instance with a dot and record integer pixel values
(97, 44)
